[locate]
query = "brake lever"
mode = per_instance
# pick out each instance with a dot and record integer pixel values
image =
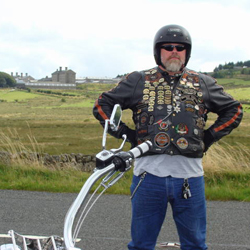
(116, 150)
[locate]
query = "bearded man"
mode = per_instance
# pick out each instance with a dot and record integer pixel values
(170, 104)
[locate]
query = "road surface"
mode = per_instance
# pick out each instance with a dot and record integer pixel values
(108, 225)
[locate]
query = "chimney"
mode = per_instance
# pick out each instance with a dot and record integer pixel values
(66, 68)
(26, 74)
(22, 75)
(60, 68)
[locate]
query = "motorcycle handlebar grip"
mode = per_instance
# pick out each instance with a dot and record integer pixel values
(140, 149)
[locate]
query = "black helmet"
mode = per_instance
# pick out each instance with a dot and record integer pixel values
(172, 34)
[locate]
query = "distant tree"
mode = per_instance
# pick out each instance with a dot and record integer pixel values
(216, 69)
(228, 69)
(219, 74)
(229, 65)
(9, 80)
(230, 73)
(220, 67)
(247, 63)
(245, 71)
(121, 76)
(239, 64)
(2, 82)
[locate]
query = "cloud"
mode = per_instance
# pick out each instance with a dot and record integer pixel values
(107, 38)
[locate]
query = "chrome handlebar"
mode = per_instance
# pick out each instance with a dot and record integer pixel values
(106, 167)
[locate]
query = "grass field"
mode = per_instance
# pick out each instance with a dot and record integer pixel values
(65, 125)
(58, 124)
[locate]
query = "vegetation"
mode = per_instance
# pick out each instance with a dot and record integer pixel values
(36, 121)
(121, 76)
(225, 179)
(232, 65)
(230, 70)
(6, 81)
(54, 92)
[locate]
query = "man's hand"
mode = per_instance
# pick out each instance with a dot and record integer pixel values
(208, 140)
(122, 161)
(131, 137)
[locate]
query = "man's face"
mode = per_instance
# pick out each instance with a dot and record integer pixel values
(175, 59)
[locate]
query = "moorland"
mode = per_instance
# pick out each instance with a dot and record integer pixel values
(61, 121)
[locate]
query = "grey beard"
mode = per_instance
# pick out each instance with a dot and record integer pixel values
(173, 66)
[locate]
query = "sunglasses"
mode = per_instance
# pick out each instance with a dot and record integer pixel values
(171, 47)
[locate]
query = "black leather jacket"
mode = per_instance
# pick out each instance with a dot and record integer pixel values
(171, 111)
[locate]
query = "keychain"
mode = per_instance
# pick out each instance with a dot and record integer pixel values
(186, 193)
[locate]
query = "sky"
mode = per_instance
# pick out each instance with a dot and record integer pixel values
(104, 38)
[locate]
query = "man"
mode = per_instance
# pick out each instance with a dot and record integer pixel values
(170, 105)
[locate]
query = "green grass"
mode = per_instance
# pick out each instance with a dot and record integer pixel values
(228, 186)
(233, 83)
(12, 96)
(52, 180)
(239, 89)
(69, 127)
(41, 179)
(88, 103)
(241, 94)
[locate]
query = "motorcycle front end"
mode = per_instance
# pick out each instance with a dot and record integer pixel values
(107, 162)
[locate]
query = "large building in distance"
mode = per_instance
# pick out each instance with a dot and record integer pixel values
(60, 79)
(21, 78)
(64, 76)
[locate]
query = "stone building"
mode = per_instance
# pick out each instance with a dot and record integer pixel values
(64, 76)
(21, 78)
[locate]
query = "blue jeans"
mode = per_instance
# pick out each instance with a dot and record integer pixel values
(149, 207)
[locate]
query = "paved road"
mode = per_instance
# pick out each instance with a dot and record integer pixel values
(108, 225)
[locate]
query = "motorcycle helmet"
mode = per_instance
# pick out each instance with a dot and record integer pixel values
(172, 34)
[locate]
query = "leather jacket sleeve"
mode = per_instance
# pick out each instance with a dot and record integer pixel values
(122, 94)
(128, 94)
(229, 111)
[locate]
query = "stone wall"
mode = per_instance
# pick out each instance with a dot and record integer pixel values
(79, 161)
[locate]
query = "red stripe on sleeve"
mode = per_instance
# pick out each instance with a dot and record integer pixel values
(228, 123)
(100, 111)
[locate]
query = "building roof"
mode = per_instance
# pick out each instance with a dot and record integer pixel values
(63, 71)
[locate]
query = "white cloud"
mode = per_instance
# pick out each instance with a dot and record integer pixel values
(106, 38)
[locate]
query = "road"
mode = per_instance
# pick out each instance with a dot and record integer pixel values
(108, 225)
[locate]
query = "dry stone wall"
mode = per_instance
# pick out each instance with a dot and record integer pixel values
(79, 161)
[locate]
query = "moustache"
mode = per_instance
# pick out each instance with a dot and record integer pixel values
(174, 56)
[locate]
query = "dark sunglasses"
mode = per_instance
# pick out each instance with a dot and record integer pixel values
(170, 47)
